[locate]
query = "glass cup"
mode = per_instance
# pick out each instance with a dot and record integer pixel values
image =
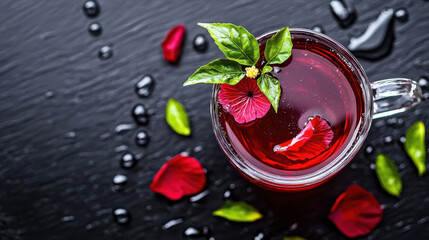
(381, 98)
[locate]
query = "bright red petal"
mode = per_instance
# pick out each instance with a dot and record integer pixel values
(244, 100)
(356, 212)
(180, 176)
(310, 142)
(172, 44)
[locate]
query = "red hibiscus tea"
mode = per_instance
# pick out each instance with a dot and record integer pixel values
(315, 82)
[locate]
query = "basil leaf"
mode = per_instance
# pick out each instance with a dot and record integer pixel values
(177, 118)
(238, 212)
(388, 175)
(218, 71)
(235, 42)
(279, 47)
(415, 146)
(270, 86)
(294, 238)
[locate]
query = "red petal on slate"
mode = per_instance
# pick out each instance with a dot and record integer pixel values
(356, 212)
(172, 44)
(244, 100)
(180, 176)
(310, 142)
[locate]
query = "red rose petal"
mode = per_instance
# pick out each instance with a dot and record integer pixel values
(356, 212)
(180, 176)
(172, 44)
(310, 142)
(244, 100)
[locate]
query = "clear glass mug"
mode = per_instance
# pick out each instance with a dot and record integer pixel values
(381, 98)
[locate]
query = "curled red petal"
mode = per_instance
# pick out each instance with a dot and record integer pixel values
(180, 176)
(244, 100)
(356, 212)
(172, 44)
(310, 142)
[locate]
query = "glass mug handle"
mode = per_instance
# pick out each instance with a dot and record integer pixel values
(394, 95)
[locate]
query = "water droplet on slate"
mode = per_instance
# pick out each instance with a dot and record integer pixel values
(142, 138)
(423, 82)
(144, 87)
(121, 216)
(193, 232)
(49, 94)
(200, 43)
(120, 148)
(105, 52)
(70, 134)
(172, 223)
(380, 123)
(425, 96)
(260, 236)
(198, 148)
(128, 160)
(199, 196)
(372, 166)
(369, 149)
(344, 12)
(91, 8)
(293, 227)
(67, 218)
(119, 182)
(377, 41)
(402, 15)
(402, 139)
(140, 114)
(318, 29)
(388, 139)
(95, 29)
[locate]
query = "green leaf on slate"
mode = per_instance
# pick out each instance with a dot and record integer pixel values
(218, 71)
(238, 212)
(388, 175)
(270, 86)
(235, 42)
(177, 118)
(294, 238)
(415, 146)
(279, 47)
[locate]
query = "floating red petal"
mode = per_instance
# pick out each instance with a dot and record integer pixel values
(310, 142)
(244, 100)
(356, 212)
(172, 44)
(180, 176)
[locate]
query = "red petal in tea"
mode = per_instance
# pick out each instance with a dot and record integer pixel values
(172, 44)
(356, 212)
(180, 176)
(244, 100)
(310, 142)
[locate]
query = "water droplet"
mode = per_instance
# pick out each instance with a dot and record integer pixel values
(124, 127)
(402, 139)
(423, 82)
(425, 96)
(128, 160)
(372, 166)
(388, 139)
(121, 216)
(172, 223)
(198, 148)
(402, 15)
(369, 149)
(144, 87)
(105, 52)
(199, 196)
(200, 43)
(70, 134)
(118, 183)
(318, 29)
(95, 29)
(193, 232)
(121, 148)
(377, 41)
(49, 94)
(380, 123)
(142, 138)
(140, 114)
(260, 236)
(344, 12)
(91, 8)
(67, 218)
(277, 69)
(293, 227)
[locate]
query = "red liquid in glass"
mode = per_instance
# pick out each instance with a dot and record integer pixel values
(314, 82)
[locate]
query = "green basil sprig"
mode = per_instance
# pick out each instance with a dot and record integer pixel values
(415, 146)
(388, 175)
(218, 71)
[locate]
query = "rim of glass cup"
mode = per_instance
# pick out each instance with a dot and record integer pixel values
(325, 172)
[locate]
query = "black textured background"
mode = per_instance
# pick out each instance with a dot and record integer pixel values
(57, 153)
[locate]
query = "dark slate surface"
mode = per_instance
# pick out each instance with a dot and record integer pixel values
(60, 104)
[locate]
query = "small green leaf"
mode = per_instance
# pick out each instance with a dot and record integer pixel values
(415, 146)
(388, 175)
(294, 238)
(270, 86)
(238, 212)
(279, 47)
(219, 71)
(177, 118)
(235, 42)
